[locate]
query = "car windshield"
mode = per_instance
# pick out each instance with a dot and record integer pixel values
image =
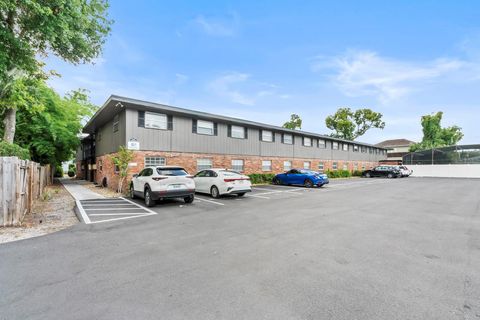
(308, 172)
(171, 172)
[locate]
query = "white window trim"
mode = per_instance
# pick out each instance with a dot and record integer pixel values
(333, 145)
(322, 144)
(243, 165)
(270, 166)
(206, 126)
(231, 132)
(204, 166)
(305, 139)
(263, 135)
(290, 135)
(309, 165)
(154, 157)
(285, 168)
(155, 114)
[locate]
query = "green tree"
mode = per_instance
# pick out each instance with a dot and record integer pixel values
(434, 136)
(74, 30)
(294, 123)
(48, 125)
(121, 160)
(349, 124)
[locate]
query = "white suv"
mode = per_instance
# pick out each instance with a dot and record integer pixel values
(162, 182)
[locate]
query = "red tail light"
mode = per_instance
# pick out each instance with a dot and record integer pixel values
(159, 178)
(229, 180)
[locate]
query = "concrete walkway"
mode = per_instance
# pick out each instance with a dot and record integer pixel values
(78, 191)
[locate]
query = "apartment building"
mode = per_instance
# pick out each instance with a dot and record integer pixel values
(166, 135)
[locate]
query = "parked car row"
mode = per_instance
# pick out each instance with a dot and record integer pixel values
(387, 171)
(166, 182)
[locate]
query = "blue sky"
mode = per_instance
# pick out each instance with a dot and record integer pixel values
(264, 61)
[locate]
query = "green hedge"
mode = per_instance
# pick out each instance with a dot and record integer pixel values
(357, 173)
(257, 178)
(338, 174)
(13, 150)
(71, 173)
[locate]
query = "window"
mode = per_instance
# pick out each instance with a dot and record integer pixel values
(320, 166)
(334, 145)
(355, 166)
(267, 136)
(205, 127)
(334, 166)
(116, 119)
(203, 164)
(364, 149)
(322, 144)
(345, 147)
(345, 166)
(266, 165)
(237, 165)
(237, 132)
(355, 148)
(287, 138)
(307, 142)
(156, 120)
(287, 165)
(100, 165)
(154, 161)
(363, 166)
(370, 150)
(172, 172)
(306, 165)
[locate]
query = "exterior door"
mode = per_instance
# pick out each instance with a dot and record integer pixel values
(200, 181)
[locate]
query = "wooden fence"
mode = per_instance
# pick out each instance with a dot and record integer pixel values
(21, 182)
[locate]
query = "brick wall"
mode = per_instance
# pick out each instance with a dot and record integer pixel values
(252, 164)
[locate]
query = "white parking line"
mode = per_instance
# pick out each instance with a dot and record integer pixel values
(256, 196)
(116, 214)
(109, 209)
(210, 201)
(149, 210)
(123, 218)
(84, 215)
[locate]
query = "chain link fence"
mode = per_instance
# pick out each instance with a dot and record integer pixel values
(464, 154)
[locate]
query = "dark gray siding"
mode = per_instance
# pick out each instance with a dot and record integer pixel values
(107, 141)
(181, 139)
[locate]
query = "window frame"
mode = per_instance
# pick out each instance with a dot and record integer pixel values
(155, 114)
(283, 138)
(345, 147)
(334, 165)
(203, 165)
(199, 121)
(232, 165)
(309, 165)
(322, 143)
(154, 157)
(321, 166)
(333, 145)
(116, 122)
(310, 139)
(244, 135)
(290, 166)
(270, 166)
(262, 136)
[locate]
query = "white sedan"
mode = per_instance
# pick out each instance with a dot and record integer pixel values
(217, 182)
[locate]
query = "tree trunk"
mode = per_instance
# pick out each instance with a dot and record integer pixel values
(9, 123)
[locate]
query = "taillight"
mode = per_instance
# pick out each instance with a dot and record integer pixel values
(159, 178)
(229, 180)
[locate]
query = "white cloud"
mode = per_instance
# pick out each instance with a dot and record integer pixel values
(223, 86)
(242, 89)
(180, 78)
(220, 27)
(360, 73)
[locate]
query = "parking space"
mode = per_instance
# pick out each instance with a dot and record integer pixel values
(111, 209)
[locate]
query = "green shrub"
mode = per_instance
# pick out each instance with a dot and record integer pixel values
(357, 173)
(72, 166)
(71, 173)
(258, 178)
(13, 150)
(332, 174)
(58, 171)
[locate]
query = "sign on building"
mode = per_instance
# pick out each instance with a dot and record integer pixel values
(133, 145)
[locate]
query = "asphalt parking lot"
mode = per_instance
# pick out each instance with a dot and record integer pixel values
(355, 249)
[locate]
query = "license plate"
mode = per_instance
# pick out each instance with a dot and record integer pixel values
(176, 186)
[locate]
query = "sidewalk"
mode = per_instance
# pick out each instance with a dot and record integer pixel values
(78, 191)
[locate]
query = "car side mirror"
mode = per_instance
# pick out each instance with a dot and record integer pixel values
(135, 175)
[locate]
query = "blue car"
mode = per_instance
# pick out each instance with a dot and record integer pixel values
(307, 178)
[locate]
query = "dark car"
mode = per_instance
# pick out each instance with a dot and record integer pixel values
(382, 171)
(307, 178)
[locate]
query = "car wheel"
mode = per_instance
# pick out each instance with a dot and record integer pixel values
(308, 183)
(132, 192)
(189, 199)
(241, 194)
(214, 192)
(149, 202)
(368, 175)
(390, 176)
(276, 181)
